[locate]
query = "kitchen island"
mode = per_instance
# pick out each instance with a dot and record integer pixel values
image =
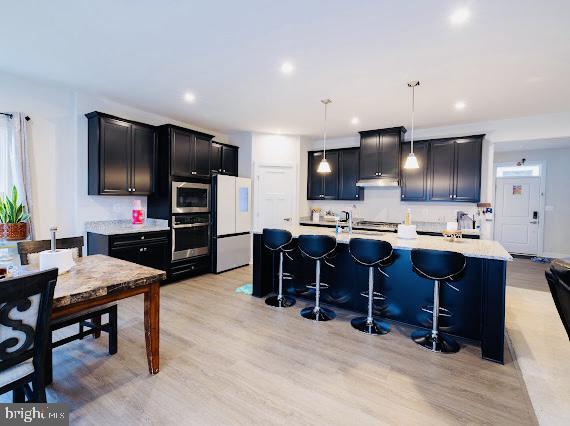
(478, 308)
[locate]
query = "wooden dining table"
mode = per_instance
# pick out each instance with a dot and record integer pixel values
(98, 280)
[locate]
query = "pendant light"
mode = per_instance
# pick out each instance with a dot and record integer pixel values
(324, 166)
(412, 161)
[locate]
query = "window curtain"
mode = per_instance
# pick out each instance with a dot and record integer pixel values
(19, 157)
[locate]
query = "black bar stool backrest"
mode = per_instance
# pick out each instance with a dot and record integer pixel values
(25, 309)
(276, 239)
(370, 252)
(558, 277)
(438, 265)
(316, 246)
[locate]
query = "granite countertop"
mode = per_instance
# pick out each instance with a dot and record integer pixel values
(114, 227)
(96, 276)
(433, 227)
(486, 249)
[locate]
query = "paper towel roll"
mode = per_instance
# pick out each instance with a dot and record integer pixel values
(61, 259)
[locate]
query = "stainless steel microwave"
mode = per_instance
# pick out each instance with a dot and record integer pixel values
(189, 197)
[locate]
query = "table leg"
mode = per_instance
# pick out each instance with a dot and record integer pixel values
(151, 326)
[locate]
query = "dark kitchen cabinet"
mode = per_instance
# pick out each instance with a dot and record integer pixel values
(380, 153)
(414, 182)
(348, 166)
(122, 156)
(455, 169)
(145, 248)
(224, 159)
(322, 186)
(190, 153)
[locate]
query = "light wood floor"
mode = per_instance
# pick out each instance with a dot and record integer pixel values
(227, 358)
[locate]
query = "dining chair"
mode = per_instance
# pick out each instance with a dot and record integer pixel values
(91, 319)
(25, 309)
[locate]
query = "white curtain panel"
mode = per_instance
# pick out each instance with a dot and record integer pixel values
(19, 153)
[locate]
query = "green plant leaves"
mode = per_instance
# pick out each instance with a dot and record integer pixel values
(10, 210)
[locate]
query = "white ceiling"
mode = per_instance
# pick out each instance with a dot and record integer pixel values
(511, 59)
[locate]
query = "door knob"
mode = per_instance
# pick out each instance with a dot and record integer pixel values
(533, 221)
(287, 219)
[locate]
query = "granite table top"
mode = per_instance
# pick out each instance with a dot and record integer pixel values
(96, 276)
(116, 227)
(486, 249)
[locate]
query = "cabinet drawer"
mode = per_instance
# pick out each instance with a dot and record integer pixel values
(200, 265)
(139, 239)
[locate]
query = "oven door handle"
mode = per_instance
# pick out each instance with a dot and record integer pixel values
(192, 225)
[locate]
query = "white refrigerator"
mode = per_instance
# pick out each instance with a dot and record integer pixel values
(232, 220)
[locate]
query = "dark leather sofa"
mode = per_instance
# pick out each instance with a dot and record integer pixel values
(558, 277)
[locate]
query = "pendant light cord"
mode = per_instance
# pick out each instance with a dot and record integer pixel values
(325, 135)
(413, 110)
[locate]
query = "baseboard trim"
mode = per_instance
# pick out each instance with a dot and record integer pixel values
(553, 255)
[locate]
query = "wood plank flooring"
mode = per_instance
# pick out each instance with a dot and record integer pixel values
(227, 358)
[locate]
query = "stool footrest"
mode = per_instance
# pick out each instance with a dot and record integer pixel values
(375, 295)
(313, 286)
(442, 311)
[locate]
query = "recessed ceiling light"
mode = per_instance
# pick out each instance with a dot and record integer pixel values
(189, 97)
(354, 120)
(287, 68)
(459, 105)
(460, 16)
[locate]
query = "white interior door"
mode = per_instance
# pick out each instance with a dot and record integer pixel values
(274, 196)
(243, 205)
(518, 214)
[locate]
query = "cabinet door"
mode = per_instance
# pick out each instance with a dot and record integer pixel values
(153, 256)
(182, 144)
(330, 180)
(315, 180)
(216, 161)
(414, 181)
(143, 153)
(467, 182)
(348, 163)
(389, 155)
(130, 254)
(441, 164)
(229, 160)
(115, 157)
(201, 161)
(369, 156)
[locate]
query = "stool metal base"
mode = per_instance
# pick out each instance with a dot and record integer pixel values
(441, 344)
(375, 327)
(322, 314)
(284, 302)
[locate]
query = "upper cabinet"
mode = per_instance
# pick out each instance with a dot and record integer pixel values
(414, 182)
(455, 169)
(224, 159)
(189, 151)
(340, 184)
(122, 156)
(380, 153)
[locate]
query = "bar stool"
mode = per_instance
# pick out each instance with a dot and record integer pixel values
(437, 266)
(317, 247)
(279, 240)
(371, 253)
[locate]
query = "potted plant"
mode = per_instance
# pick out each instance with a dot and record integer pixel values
(13, 218)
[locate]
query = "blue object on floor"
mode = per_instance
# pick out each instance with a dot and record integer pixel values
(539, 260)
(245, 289)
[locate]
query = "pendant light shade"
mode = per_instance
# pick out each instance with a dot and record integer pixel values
(324, 166)
(412, 161)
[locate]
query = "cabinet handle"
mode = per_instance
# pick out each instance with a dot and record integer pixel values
(379, 174)
(403, 195)
(134, 189)
(141, 249)
(356, 195)
(451, 196)
(142, 237)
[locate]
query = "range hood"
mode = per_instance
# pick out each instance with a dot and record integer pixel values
(378, 183)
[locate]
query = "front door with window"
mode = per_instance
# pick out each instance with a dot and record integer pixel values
(517, 214)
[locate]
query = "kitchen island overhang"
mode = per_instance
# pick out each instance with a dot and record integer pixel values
(478, 309)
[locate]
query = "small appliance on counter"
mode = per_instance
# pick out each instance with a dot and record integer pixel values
(62, 259)
(232, 222)
(406, 230)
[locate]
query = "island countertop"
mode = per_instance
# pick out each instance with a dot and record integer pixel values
(485, 249)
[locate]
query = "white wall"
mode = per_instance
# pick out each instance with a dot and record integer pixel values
(58, 136)
(557, 195)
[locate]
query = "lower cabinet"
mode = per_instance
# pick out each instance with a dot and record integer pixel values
(145, 248)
